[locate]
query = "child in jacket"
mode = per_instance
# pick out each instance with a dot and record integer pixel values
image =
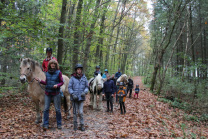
(136, 91)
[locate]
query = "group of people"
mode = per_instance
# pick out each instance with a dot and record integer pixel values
(78, 88)
(119, 89)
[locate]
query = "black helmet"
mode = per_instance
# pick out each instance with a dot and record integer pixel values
(49, 50)
(121, 84)
(119, 69)
(97, 67)
(78, 66)
(137, 85)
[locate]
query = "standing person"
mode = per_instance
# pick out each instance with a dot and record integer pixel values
(47, 59)
(136, 91)
(114, 80)
(130, 86)
(53, 83)
(122, 97)
(97, 71)
(109, 90)
(106, 72)
(118, 74)
(78, 88)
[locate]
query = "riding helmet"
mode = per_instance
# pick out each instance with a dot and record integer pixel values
(137, 85)
(97, 67)
(49, 50)
(78, 66)
(106, 70)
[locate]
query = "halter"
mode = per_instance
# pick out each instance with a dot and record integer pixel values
(26, 77)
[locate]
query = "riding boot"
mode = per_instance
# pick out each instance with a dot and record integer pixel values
(75, 126)
(82, 127)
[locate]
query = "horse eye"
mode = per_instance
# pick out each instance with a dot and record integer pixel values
(20, 67)
(28, 68)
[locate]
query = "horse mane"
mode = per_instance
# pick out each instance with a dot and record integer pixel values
(32, 62)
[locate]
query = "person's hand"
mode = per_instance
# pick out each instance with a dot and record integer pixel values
(74, 97)
(82, 94)
(103, 94)
(55, 86)
(112, 95)
(37, 79)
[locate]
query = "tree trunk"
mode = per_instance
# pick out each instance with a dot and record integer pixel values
(90, 35)
(76, 34)
(61, 33)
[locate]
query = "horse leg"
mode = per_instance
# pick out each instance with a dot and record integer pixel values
(91, 99)
(69, 106)
(100, 104)
(95, 101)
(37, 107)
(42, 104)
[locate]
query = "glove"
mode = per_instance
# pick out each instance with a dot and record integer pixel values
(74, 97)
(82, 94)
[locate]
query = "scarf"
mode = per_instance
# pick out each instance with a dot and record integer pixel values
(51, 71)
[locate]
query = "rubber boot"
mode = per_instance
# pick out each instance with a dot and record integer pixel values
(82, 127)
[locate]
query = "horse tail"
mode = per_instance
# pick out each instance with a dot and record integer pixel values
(65, 105)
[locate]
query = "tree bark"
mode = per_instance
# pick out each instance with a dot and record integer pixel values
(91, 32)
(61, 33)
(76, 34)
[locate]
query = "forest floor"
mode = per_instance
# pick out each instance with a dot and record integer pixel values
(145, 118)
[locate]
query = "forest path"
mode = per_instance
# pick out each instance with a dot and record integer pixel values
(145, 118)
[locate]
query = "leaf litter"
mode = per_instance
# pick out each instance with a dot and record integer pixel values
(145, 118)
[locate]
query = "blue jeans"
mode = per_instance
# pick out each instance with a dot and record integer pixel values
(57, 105)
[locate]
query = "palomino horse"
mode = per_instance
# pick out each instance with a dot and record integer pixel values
(95, 88)
(29, 70)
(123, 78)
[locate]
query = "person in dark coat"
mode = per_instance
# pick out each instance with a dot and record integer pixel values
(109, 90)
(118, 74)
(78, 88)
(97, 71)
(130, 86)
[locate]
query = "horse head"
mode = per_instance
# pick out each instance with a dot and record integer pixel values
(27, 66)
(123, 78)
(99, 82)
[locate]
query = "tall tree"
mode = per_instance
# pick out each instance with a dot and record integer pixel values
(61, 32)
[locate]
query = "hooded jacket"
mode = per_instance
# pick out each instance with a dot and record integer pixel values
(77, 85)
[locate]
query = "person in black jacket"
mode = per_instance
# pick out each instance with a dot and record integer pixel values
(109, 90)
(130, 86)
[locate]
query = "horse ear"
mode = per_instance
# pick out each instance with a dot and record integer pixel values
(20, 60)
(28, 60)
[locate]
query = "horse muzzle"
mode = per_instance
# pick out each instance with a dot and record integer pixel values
(22, 79)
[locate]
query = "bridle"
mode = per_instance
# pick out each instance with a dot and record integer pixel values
(27, 76)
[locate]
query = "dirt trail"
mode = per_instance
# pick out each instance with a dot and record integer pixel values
(145, 118)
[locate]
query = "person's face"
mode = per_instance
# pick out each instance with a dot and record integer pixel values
(49, 54)
(120, 87)
(79, 71)
(118, 70)
(53, 66)
(108, 77)
(97, 69)
(106, 72)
